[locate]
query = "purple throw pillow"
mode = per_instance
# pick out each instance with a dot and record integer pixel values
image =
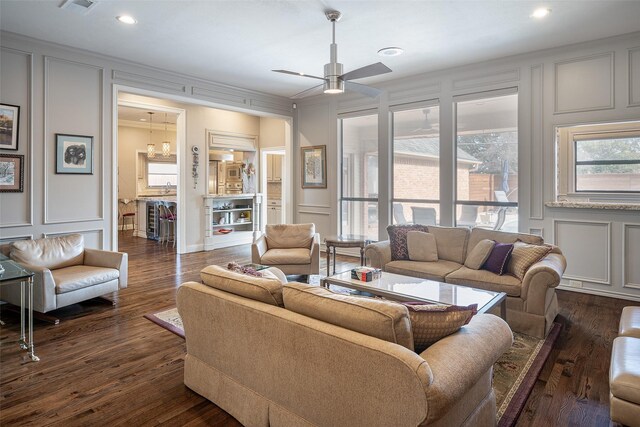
(398, 239)
(499, 258)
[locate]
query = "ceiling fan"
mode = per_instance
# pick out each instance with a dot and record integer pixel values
(334, 80)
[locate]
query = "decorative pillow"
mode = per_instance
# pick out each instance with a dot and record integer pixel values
(524, 256)
(432, 322)
(398, 239)
(479, 254)
(498, 258)
(422, 246)
(249, 271)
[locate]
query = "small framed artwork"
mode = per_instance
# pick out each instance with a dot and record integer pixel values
(9, 126)
(74, 154)
(314, 167)
(11, 173)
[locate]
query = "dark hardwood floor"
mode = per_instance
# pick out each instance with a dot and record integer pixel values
(107, 365)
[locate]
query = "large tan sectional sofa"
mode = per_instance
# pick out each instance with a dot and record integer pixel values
(532, 304)
(260, 351)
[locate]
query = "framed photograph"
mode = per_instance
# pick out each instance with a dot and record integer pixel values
(314, 167)
(11, 173)
(9, 126)
(74, 154)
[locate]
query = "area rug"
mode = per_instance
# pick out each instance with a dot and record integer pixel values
(514, 374)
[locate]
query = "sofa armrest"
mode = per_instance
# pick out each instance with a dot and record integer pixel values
(379, 253)
(541, 276)
(44, 290)
(258, 249)
(109, 259)
(476, 347)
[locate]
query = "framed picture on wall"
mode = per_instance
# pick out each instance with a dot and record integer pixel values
(9, 126)
(11, 173)
(314, 167)
(74, 154)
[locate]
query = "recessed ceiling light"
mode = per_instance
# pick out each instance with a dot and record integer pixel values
(390, 51)
(126, 19)
(540, 13)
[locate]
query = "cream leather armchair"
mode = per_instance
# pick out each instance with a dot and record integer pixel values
(66, 271)
(293, 248)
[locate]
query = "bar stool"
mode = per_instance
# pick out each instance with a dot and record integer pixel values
(167, 221)
(127, 210)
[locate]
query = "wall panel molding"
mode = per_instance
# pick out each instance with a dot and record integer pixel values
(49, 142)
(633, 77)
(146, 81)
(591, 241)
(630, 255)
(218, 95)
(4, 240)
(310, 205)
(536, 191)
(272, 106)
(570, 72)
(482, 80)
(407, 95)
(98, 231)
(304, 211)
(29, 170)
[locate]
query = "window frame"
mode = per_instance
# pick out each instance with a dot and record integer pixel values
(170, 160)
(566, 163)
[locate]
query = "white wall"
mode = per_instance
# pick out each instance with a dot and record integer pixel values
(65, 90)
(591, 82)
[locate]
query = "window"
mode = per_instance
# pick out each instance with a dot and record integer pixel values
(359, 177)
(608, 165)
(487, 162)
(599, 162)
(159, 174)
(416, 166)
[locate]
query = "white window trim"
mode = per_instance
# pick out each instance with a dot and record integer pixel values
(565, 160)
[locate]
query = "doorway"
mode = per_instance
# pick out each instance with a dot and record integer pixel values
(148, 179)
(275, 185)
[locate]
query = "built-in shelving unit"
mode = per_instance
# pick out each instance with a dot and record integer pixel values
(238, 213)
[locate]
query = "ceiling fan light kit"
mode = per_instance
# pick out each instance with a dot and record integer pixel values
(335, 80)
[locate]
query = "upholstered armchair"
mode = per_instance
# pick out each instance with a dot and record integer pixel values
(66, 271)
(293, 248)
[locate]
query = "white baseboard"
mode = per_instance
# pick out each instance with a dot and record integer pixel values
(195, 248)
(618, 295)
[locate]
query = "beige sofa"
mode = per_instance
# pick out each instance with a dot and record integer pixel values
(66, 271)
(267, 365)
(292, 248)
(531, 303)
(624, 373)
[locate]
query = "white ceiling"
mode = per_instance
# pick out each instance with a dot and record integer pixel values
(239, 42)
(142, 115)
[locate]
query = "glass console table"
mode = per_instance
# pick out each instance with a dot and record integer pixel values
(10, 273)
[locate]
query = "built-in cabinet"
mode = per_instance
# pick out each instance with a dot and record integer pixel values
(231, 220)
(274, 168)
(274, 212)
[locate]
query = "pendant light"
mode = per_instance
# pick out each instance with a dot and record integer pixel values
(151, 148)
(166, 145)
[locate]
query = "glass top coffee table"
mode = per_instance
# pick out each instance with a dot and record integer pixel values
(406, 288)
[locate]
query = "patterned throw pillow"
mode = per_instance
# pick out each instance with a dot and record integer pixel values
(524, 256)
(498, 259)
(398, 239)
(432, 322)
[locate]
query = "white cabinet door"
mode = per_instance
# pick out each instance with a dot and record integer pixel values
(269, 167)
(277, 215)
(277, 168)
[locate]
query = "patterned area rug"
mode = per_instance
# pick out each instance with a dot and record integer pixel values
(514, 374)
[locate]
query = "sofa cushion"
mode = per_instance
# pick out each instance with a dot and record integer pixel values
(479, 254)
(50, 252)
(289, 235)
(422, 246)
(264, 289)
(451, 241)
(483, 279)
(432, 322)
(498, 258)
(297, 256)
(378, 318)
(398, 239)
(425, 270)
(624, 372)
(524, 256)
(478, 234)
(76, 277)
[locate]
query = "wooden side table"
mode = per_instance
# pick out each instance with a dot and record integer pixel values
(344, 241)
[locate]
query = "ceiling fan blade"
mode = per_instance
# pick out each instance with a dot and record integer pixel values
(363, 89)
(366, 71)
(308, 92)
(293, 73)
